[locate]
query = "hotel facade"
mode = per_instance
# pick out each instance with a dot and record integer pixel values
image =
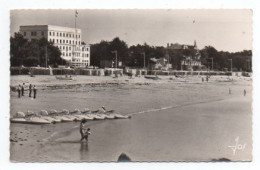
(68, 40)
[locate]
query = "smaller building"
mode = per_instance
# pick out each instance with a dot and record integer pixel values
(190, 61)
(159, 64)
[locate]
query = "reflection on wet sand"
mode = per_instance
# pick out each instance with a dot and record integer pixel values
(83, 151)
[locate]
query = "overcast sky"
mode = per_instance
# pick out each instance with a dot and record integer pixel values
(228, 30)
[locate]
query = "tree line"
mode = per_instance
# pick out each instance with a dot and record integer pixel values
(133, 56)
(33, 53)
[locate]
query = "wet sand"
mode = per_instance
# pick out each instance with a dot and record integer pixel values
(172, 120)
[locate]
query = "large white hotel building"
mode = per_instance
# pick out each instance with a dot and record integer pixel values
(68, 40)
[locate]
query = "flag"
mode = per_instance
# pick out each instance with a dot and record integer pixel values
(76, 13)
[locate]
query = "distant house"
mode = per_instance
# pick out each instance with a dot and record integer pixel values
(159, 64)
(110, 64)
(189, 62)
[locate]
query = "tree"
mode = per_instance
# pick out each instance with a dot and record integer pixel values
(33, 53)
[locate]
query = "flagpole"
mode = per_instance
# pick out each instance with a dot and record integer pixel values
(75, 50)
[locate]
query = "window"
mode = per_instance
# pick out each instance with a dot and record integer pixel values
(66, 35)
(70, 41)
(69, 54)
(70, 35)
(66, 41)
(79, 36)
(33, 33)
(57, 41)
(66, 48)
(57, 34)
(60, 41)
(42, 33)
(79, 42)
(53, 33)
(63, 41)
(69, 48)
(87, 49)
(63, 47)
(60, 34)
(66, 54)
(63, 34)
(24, 33)
(76, 42)
(50, 33)
(87, 55)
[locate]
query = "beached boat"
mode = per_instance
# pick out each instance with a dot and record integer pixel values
(118, 116)
(18, 120)
(85, 110)
(152, 77)
(96, 116)
(109, 116)
(64, 77)
(31, 120)
(37, 120)
(50, 119)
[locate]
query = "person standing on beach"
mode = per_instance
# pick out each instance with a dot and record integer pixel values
(244, 92)
(229, 91)
(30, 90)
(19, 91)
(34, 92)
(23, 89)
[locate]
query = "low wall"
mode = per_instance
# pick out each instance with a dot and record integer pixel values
(110, 72)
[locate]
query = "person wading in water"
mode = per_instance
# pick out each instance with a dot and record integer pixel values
(83, 131)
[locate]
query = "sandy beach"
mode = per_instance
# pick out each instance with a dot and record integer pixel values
(173, 119)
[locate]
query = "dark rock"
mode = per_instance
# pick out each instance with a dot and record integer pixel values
(123, 158)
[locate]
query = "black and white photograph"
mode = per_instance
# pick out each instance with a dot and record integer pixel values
(131, 85)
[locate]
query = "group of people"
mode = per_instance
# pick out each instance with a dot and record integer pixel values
(31, 88)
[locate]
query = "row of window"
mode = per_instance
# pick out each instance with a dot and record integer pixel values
(69, 48)
(59, 34)
(76, 54)
(80, 64)
(65, 41)
(33, 33)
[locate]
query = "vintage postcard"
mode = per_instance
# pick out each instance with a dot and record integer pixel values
(131, 85)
